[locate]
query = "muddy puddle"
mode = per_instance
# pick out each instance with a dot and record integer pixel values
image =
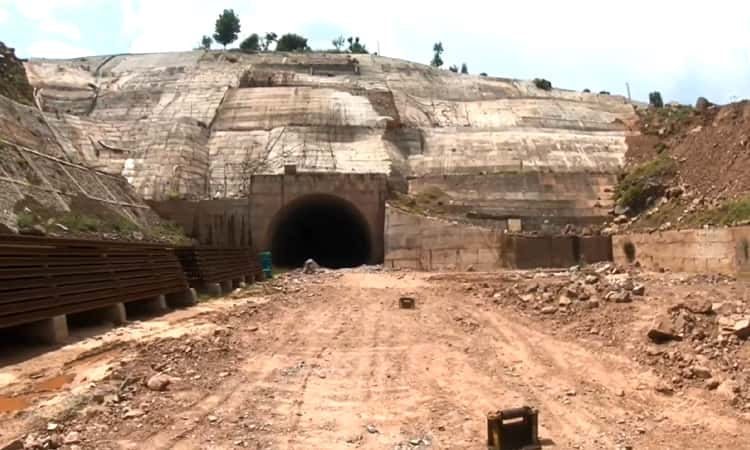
(22, 401)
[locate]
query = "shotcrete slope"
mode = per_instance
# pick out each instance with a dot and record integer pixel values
(200, 124)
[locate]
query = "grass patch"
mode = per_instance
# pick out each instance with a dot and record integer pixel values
(645, 181)
(25, 220)
(80, 222)
(731, 213)
(169, 232)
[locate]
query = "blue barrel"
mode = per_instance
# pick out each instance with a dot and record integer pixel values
(266, 264)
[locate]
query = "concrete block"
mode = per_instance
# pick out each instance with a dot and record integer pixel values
(115, 314)
(226, 287)
(188, 297)
(48, 331)
(238, 283)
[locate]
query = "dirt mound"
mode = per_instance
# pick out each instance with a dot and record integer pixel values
(13, 81)
(710, 152)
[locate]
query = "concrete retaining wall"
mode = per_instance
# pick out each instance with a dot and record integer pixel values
(422, 243)
(725, 250)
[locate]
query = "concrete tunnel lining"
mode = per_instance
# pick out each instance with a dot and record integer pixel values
(326, 228)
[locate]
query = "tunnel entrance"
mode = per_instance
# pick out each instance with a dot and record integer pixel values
(326, 228)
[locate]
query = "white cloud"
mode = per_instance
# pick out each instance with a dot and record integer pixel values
(680, 48)
(55, 49)
(3, 16)
(67, 30)
(43, 12)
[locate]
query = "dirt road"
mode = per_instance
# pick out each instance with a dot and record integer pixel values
(330, 362)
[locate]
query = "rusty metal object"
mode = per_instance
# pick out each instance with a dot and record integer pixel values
(407, 303)
(214, 264)
(513, 429)
(41, 277)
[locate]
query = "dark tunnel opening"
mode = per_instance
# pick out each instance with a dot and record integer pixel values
(325, 228)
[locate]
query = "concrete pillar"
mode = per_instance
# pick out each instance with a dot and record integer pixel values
(153, 306)
(47, 331)
(238, 283)
(188, 297)
(212, 289)
(115, 314)
(226, 287)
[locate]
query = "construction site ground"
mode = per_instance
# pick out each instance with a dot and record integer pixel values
(329, 361)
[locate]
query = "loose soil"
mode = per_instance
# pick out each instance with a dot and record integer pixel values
(329, 361)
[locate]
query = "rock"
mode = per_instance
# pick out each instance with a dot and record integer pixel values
(470, 268)
(702, 103)
(591, 279)
(158, 382)
(618, 296)
(310, 267)
(415, 442)
(72, 438)
(212, 419)
(620, 393)
(564, 301)
(134, 413)
(741, 328)
(549, 310)
(371, 429)
(639, 290)
(52, 426)
(712, 384)
(663, 388)
(621, 210)
(619, 220)
(728, 390)
(674, 192)
(663, 330)
(353, 439)
(62, 227)
(700, 372)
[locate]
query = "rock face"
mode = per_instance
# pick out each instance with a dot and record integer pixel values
(13, 82)
(200, 124)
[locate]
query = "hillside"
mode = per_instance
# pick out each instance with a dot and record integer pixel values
(703, 156)
(197, 125)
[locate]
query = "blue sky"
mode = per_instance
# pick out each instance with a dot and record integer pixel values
(684, 49)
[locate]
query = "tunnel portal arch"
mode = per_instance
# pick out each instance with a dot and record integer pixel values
(327, 228)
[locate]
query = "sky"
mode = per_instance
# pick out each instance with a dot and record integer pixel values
(684, 49)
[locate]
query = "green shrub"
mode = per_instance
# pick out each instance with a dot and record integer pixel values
(542, 84)
(645, 181)
(655, 100)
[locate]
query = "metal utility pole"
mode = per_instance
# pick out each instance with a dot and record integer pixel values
(379, 49)
(627, 86)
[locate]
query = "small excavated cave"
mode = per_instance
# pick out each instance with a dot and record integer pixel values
(326, 228)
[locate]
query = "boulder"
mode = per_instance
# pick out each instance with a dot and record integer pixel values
(663, 330)
(741, 328)
(310, 266)
(618, 296)
(639, 290)
(158, 382)
(549, 310)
